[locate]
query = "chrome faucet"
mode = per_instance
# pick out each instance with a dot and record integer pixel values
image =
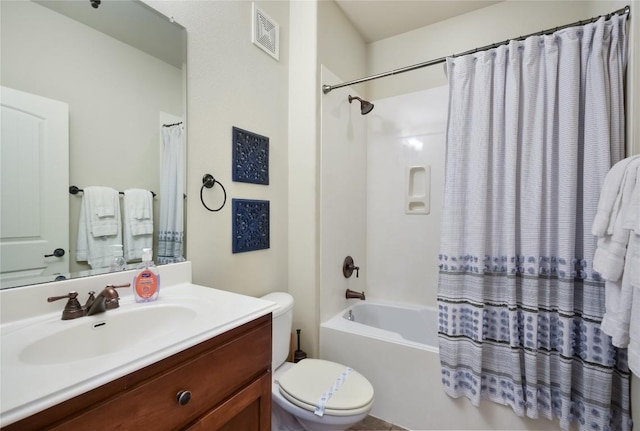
(108, 299)
(351, 294)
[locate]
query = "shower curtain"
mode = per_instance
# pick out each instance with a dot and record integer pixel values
(533, 128)
(171, 225)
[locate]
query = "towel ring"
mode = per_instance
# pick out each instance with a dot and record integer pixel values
(208, 181)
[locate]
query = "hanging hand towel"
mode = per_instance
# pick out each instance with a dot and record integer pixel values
(610, 195)
(632, 217)
(609, 258)
(632, 221)
(96, 234)
(102, 203)
(138, 222)
(614, 258)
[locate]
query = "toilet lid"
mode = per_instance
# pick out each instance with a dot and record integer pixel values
(335, 389)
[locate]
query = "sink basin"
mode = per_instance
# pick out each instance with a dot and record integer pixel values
(106, 333)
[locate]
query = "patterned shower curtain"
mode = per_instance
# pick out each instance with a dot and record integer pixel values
(171, 224)
(534, 126)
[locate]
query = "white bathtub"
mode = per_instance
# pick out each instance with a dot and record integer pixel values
(396, 348)
(405, 324)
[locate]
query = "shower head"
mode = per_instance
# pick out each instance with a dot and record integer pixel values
(365, 106)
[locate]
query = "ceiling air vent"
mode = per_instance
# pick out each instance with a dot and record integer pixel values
(266, 33)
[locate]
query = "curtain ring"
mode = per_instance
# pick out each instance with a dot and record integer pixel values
(208, 181)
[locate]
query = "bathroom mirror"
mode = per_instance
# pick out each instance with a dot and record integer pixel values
(121, 70)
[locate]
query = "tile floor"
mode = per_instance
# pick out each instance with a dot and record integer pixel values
(374, 424)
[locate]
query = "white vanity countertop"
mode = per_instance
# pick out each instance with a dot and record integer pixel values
(28, 386)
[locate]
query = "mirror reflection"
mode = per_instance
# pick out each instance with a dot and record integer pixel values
(87, 91)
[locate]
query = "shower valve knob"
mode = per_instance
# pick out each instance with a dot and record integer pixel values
(348, 267)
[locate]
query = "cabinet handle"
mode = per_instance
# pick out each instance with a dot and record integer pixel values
(183, 397)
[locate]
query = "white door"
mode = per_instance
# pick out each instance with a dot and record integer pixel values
(34, 200)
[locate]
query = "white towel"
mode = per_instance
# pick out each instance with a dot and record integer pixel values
(101, 205)
(104, 202)
(631, 219)
(633, 354)
(609, 196)
(609, 258)
(616, 321)
(96, 234)
(616, 257)
(138, 222)
(634, 255)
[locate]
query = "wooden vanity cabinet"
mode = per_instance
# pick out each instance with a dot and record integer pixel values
(228, 377)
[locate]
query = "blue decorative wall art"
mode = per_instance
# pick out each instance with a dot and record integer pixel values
(250, 225)
(250, 157)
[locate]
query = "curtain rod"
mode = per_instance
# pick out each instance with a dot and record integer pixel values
(327, 88)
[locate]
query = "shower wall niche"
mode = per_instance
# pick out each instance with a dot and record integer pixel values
(418, 190)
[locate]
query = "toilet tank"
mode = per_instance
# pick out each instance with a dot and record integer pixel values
(282, 324)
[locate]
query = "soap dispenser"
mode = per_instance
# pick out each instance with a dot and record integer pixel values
(146, 283)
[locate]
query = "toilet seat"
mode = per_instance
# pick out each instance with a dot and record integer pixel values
(306, 382)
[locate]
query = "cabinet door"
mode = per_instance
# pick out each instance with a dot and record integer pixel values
(247, 410)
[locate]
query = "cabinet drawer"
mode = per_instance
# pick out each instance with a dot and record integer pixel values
(210, 377)
(248, 410)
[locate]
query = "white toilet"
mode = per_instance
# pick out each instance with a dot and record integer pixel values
(314, 394)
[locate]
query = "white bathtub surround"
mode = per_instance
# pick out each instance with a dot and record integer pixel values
(405, 173)
(343, 195)
(527, 152)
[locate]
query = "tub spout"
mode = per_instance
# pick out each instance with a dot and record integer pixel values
(351, 294)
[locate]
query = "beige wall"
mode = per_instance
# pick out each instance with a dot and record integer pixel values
(232, 82)
(341, 48)
(303, 263)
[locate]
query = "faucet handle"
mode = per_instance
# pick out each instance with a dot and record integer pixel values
(114, 302)
(72, 309)
(118, 285)
(90, 300)
(71, 295)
